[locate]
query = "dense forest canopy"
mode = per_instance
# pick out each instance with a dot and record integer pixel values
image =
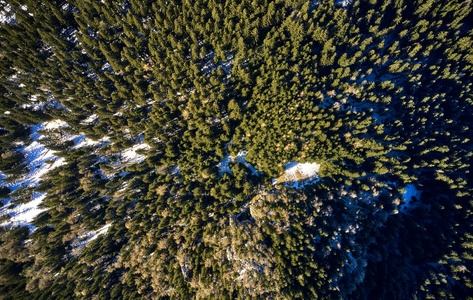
(279, 149)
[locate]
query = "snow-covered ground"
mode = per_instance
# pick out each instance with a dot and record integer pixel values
(176, 170)
(223, 165)
(24, 214)
(80, 140)
(243, 266)
(131, 157)
(208, 66)
(411, 191)
(40, 161)
(297, 174)
(4, 18)
(36, 156)
(91, 119)
(343, 3)
(79, 243)
(94, 234)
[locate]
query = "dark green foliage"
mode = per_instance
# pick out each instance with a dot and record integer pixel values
(379, 93)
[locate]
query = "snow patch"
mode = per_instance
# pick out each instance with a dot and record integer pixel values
(90, 120)
(24, 214)
(175, 171)
(244, 266)
(80, 140)
(36, 158)
(79, 243)
(223, 165)
(83, 141)
(6, 17)
(208, 66)
(343, 3)
(297, 174)
(411, 191)
(35, 105)
(98, 232)
(130, 156)
(55, 124)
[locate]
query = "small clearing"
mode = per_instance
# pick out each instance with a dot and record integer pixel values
(223, 165)
(297, 174)
(411, 192)
(130, 155)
